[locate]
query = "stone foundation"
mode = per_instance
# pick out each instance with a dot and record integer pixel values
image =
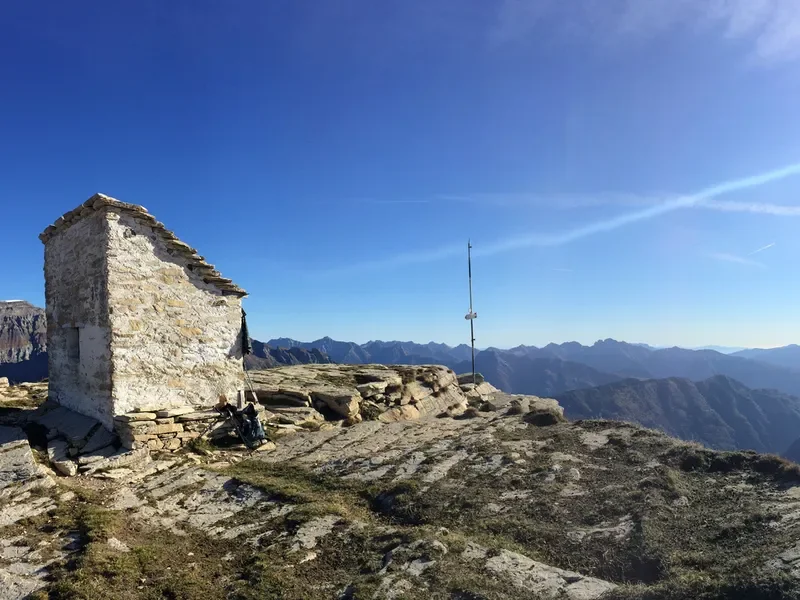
(170, 429)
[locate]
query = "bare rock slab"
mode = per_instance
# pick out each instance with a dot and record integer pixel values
(17, 587)
(544, 581)
(123, 458)
(136, 416)
(96, 455)
(296, 415)
(75, 427)
(16, 460)
(101, 438)
(175, 412)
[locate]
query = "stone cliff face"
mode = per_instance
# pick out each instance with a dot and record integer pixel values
(23, 341)
(23, 331)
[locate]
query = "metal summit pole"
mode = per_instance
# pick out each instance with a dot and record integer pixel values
(471, 316)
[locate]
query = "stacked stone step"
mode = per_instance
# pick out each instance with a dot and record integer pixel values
(171, 428)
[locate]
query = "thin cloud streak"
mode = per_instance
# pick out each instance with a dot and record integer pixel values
(767, 247)
(769, 30)
(572, 235)
(641, 215)
(402, 201)
(778, 210)
(557, 201)
(736, 259)
(577, 201)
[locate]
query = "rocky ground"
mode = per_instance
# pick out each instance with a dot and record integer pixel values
(505, 502)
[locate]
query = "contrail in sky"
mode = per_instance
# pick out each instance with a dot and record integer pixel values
(687, 201)
(565, 237)
(762, 249)
(737, 259)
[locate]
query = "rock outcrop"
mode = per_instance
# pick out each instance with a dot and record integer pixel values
(364, 392)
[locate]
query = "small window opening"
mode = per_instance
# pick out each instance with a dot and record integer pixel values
(73, 344)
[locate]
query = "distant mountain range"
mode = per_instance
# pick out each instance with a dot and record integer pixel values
(718, 412)
(787, 356)
(399, 353)
(556, 368)
(623, 360)
(266, 357)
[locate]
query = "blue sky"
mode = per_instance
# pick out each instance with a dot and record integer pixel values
(625, 168)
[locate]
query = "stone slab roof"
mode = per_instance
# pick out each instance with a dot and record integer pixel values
(100, 202)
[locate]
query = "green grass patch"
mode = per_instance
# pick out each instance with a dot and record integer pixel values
(316, 494)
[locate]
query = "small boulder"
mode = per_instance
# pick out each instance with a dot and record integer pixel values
(174, 412)
(407, 412)
(57, 452)
(372, 388)
(518, 406)
(353, 419)
(456, 410)
(474, 401)
(266, 446)
(370, 411)
(470, 413)
(487, 407)
(341, 400)
(297, 415)
(543, 417)
(117, 546)
(465, 378)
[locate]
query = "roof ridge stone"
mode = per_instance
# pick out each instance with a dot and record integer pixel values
(100, 202)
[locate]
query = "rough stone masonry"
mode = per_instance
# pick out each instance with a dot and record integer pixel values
(136, 319)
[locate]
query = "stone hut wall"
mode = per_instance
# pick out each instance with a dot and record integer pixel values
(176, 340)
(78, 328)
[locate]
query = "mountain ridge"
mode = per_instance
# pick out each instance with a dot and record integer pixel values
(718, 412)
